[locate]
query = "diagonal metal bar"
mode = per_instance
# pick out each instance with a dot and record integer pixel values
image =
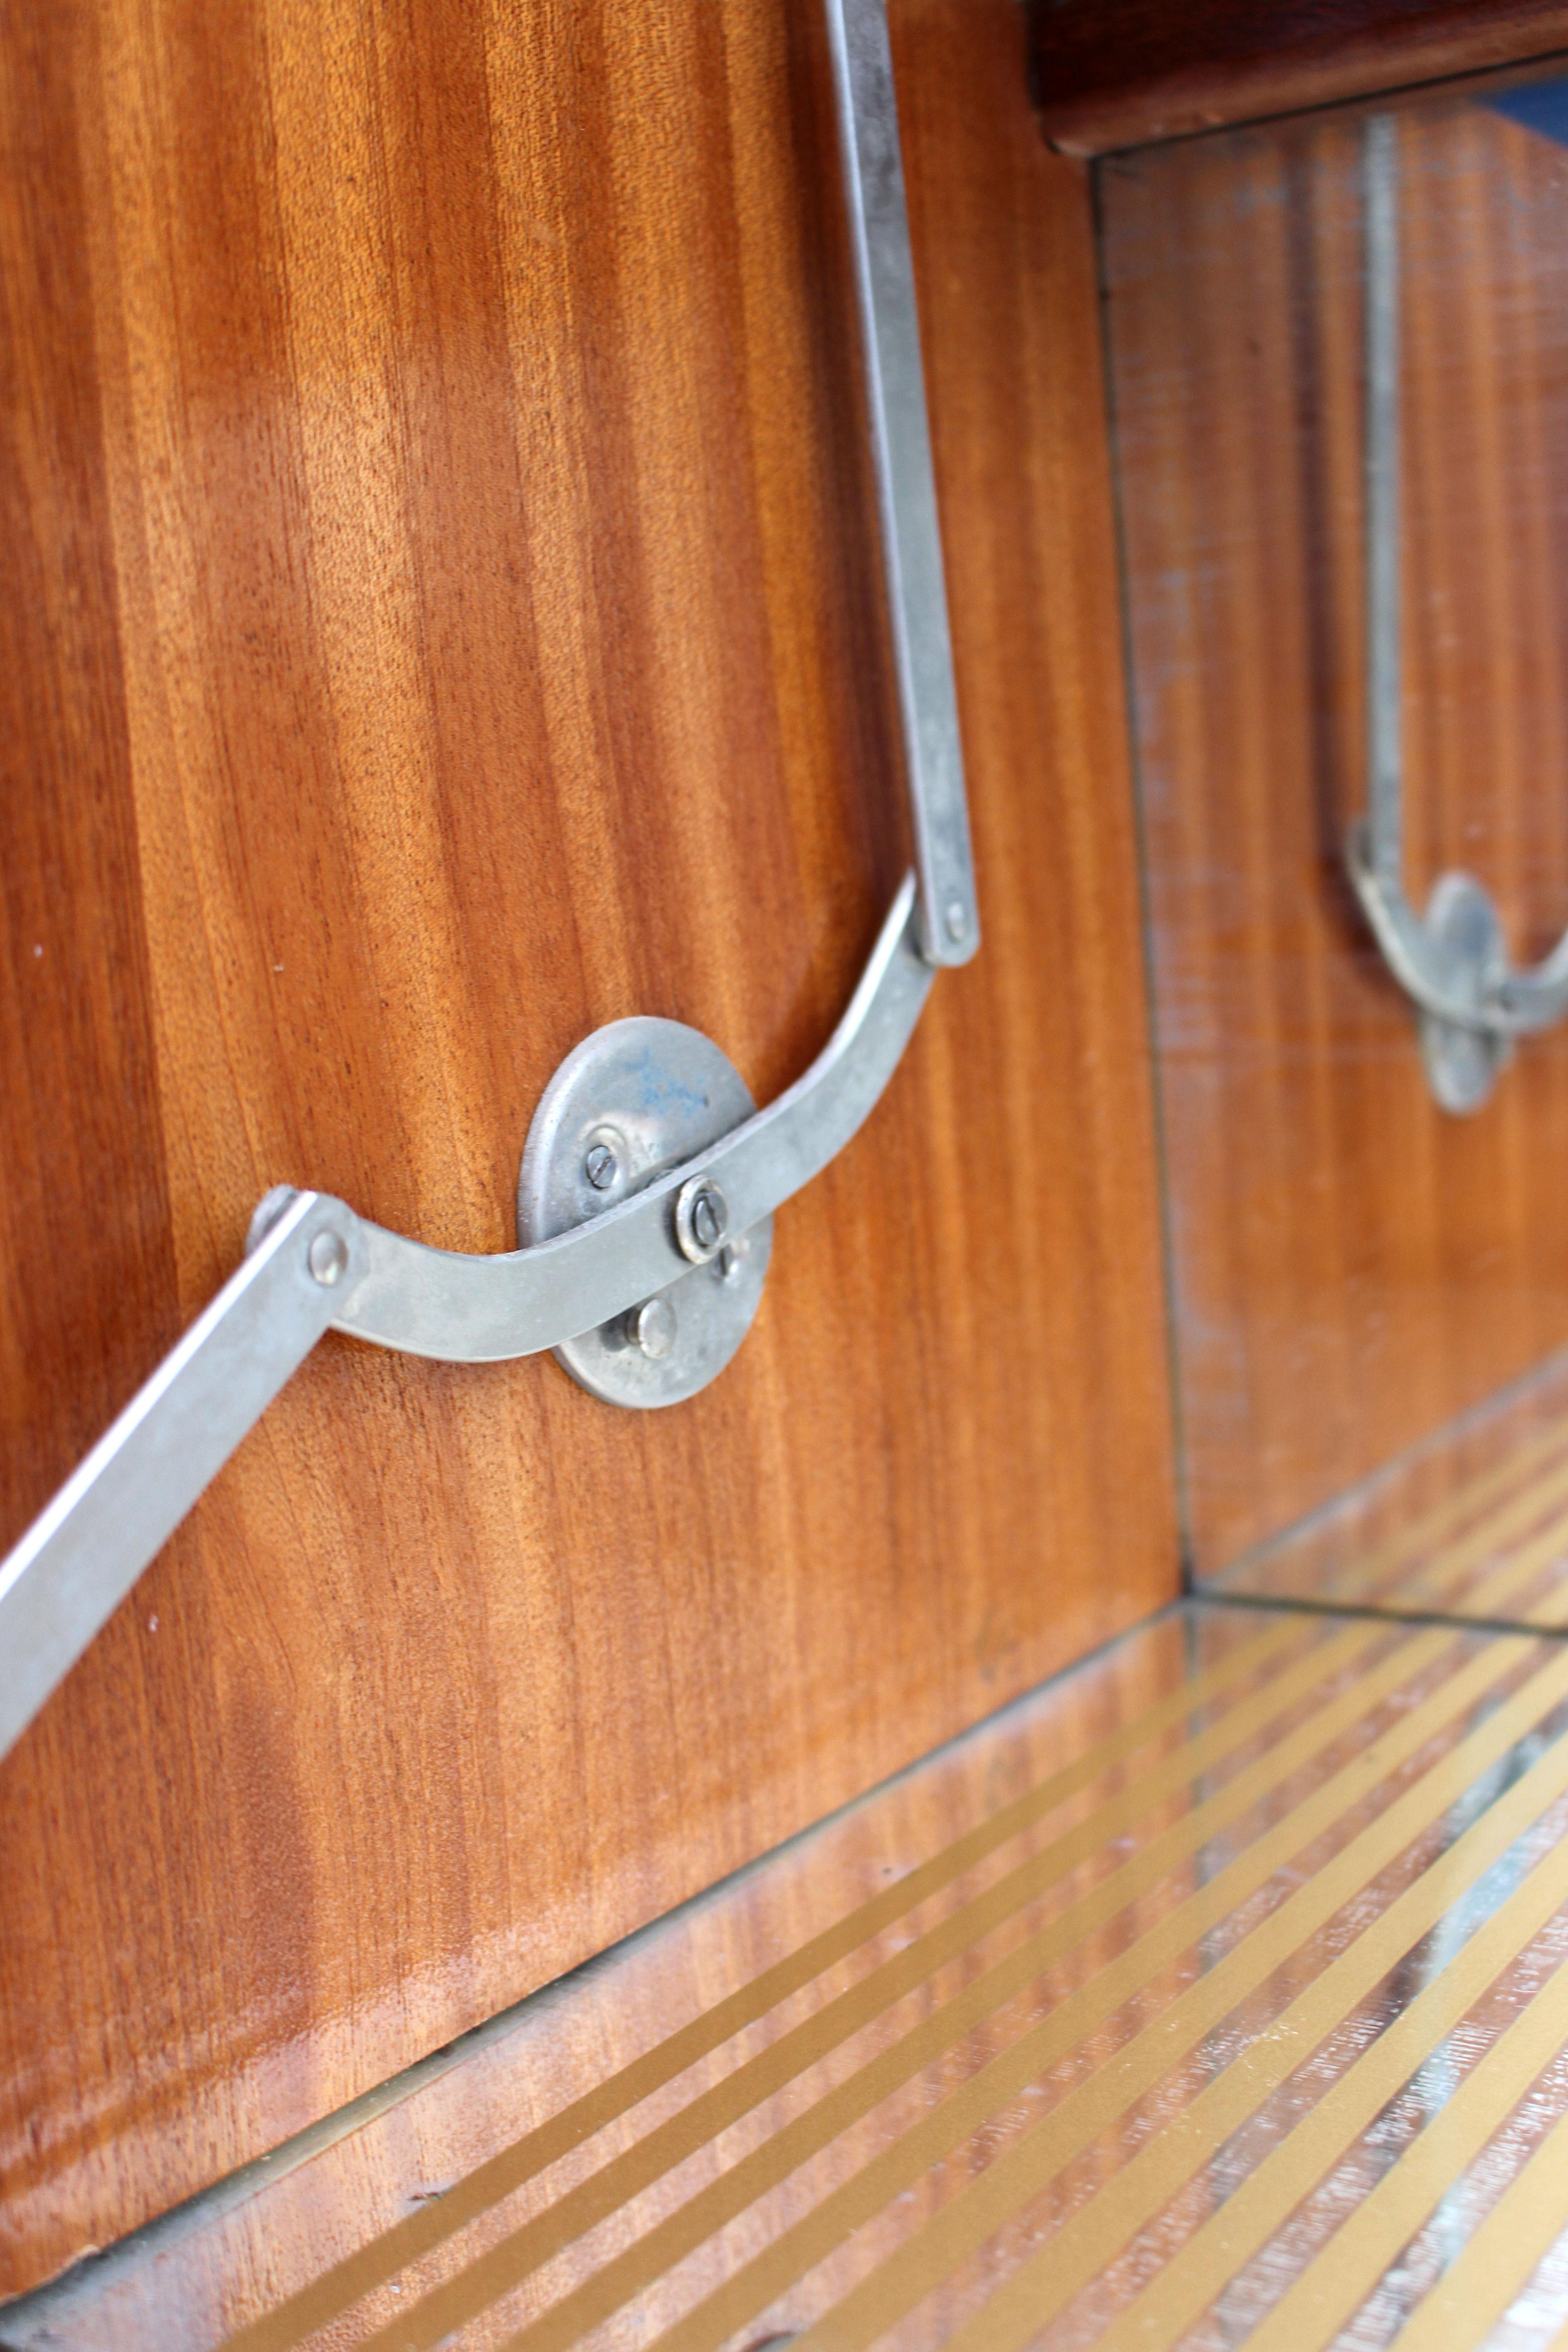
(82, 1555)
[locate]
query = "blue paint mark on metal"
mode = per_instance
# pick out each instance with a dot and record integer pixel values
(659, 1090)
(1538, 106)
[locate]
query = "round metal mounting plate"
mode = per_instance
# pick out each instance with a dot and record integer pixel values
(635, 1099)
(1462, 1064)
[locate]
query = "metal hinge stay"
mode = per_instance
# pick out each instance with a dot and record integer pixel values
(1452, 963)
(646, 1222)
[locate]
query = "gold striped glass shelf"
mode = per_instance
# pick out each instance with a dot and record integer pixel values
(1473, 1523)
(1213, 1996)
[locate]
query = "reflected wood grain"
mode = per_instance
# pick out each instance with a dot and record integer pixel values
(1352, 1268)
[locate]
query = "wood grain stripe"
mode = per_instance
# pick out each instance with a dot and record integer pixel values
(1352, 1272)
(444, 616)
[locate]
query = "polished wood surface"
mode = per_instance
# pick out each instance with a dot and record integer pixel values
(1109, 74)
(1183, 2002)
(446, 618)
(1351, 1268)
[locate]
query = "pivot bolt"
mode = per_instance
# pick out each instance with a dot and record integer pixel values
(601, 1166)
(652, 1328)
(328, 1259)
(702, 1219)
(957, 921)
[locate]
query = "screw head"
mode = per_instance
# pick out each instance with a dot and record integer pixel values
(652, 1328)
(706, 1221)
(957, 921)
(702, 1219)
(328, 1259)
(601, 1166)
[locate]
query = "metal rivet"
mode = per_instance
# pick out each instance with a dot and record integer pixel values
(957, 920)
(702, 1219)
(601, 1166)
(652, 1326)
(328, 1259)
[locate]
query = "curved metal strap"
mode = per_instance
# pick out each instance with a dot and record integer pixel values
(1473, 989)
(477, 1310)
(1501, 1002)
(314, 1265)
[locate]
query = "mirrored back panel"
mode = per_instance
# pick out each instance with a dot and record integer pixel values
(1339, 359)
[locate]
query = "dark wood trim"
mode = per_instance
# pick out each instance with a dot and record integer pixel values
(1109, 74)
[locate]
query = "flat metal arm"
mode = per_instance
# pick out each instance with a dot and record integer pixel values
(81, 1558)
(906, 488)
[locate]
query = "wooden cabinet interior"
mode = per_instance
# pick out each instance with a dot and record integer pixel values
(444, 618)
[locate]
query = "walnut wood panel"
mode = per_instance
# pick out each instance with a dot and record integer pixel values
(1120, 73)
(1351, 1268)
(446, 619)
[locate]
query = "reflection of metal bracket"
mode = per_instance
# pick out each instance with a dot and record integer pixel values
(1452, 963)
(628, 1201)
